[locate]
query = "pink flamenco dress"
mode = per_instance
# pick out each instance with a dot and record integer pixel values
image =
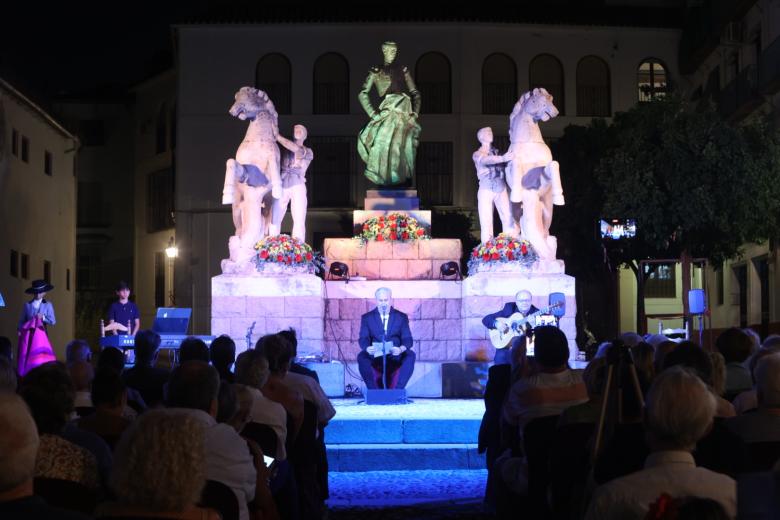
(34, 346)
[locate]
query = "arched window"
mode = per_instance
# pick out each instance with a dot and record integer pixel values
(547, 72)
(499, 84)
(273, 75)
(331, 84)
(593, 92)
(433, 77)
(651, 80)
(161, 132)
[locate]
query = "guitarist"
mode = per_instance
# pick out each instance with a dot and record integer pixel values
(523, 305)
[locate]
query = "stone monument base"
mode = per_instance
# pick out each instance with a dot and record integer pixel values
(272, 303)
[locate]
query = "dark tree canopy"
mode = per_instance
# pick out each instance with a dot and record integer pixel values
(694, 182)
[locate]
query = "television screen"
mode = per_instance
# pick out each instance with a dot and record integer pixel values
(617, 228)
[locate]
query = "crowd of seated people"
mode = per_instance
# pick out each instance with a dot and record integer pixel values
(652, 428)
(88, 438)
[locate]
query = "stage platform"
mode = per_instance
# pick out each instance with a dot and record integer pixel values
(427, 434)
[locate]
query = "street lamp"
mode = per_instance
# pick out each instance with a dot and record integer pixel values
(171, 251)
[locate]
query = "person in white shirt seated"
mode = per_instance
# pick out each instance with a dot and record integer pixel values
(680, 411)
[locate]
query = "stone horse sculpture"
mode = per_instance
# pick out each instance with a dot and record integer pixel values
(253, 173)
(533, 177)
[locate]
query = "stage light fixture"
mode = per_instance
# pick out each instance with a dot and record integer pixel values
(449, 270)
(339, 271)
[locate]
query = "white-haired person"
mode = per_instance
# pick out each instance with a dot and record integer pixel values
(763, 425)
(680, 411)
(18, 452)
(160, 469)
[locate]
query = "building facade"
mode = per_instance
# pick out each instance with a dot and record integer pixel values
(37, 212)
(469, 75)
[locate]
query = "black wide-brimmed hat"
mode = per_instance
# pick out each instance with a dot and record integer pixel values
(39, 286)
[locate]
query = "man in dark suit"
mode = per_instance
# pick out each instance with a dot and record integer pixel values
(388, 324)
(523, 305)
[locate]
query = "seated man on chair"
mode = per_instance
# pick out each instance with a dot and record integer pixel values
(522, 305)
(385, 323)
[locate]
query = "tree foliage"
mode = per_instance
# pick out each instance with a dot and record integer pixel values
(694, 182)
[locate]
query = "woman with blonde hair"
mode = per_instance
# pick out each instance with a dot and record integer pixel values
(159, 469)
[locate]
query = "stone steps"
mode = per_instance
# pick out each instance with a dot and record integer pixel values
(428, 434)
(403, 457)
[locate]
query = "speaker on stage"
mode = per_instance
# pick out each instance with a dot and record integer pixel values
(558, 300)
(697, 301)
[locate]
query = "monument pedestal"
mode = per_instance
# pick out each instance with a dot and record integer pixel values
(485, 293)
(272, 303)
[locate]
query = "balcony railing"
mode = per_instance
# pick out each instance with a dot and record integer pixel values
(769, 68)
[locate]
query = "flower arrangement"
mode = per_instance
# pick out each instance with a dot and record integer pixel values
(393, 227)
(503, 249)
(283, 253)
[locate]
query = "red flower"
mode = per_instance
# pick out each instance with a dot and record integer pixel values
(402, 223)
(393, 235)
(511, 245)
(405, 235)
(420, 232)
(499, 245)
(287, 260)
(308, 256)
(486, 256)
(379, 238)
(279, 258)
(510, 255)
(298, 258)
(524, 250)
(263, 254)
(392, 217)
(381, 225)
(494, 256)
(365, 227)
(474, 253)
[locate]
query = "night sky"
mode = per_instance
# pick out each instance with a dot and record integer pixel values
(91, 49)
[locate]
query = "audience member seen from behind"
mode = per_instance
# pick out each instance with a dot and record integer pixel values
(296, 368)
(243, 413)
(82, 373)
(77, 350)
(763, 425)
(144, 377)
(736, 347)
(160, 469)
(193, 388)
(594, 376)
(49, 393)
(222, 353)
(109, 397)
(552, 389)
(278, 354)
(111, 358)
(748, 400)
(252, 372)
(643, 355)
(680, 410)
(193, 349)
(718, 373)
(19, 446)
(689, 354)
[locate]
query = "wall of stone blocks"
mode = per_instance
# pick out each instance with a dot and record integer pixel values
(418, 260)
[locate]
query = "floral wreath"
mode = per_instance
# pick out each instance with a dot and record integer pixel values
(393, 227)
(503, 248)
(285, 250)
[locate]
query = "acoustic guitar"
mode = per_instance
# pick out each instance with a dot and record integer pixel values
(516, 326)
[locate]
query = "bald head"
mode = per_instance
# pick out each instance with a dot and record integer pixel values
(384, 299)
(523, 301)
(18, 442)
